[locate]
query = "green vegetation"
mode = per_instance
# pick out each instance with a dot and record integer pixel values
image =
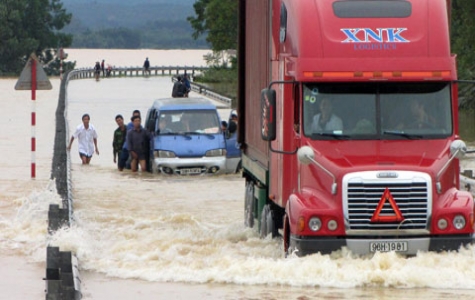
(31, 26)
(158, 24)
(43, 26)
(222, 33)
(463, 43)
(218, 19)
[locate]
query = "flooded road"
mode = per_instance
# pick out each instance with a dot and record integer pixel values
(189, 230)
(143, 236)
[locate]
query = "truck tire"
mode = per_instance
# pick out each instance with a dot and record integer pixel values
(270, 222)
(263, 221)
(286, 236)
(249, 203)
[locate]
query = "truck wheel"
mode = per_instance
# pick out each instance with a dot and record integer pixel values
(263, 222)
(270, 224)
(286, 237)
(249, 203)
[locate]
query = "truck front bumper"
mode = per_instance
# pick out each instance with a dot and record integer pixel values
(190, 166)
(362, 246)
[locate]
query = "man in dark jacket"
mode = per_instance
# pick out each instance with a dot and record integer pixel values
(138, 142)
(179, 89)
(118, 141)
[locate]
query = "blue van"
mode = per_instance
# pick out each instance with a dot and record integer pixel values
(188, 139)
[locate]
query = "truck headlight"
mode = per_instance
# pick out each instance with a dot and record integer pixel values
(215, 152)
(459, 222)
(164, 154)
(314, 224)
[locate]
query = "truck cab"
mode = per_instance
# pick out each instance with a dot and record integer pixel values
(187, 137)
(355, 140)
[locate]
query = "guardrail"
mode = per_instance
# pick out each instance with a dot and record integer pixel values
(62, 272)
(137, 71)
(203, 90)
(156, 71)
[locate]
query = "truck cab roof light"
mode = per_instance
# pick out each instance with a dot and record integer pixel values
(378, 74)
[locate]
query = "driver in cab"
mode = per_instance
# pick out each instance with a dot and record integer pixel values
(326, 120)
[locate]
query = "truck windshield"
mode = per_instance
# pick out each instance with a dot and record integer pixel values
(386, 110)
(188, 122)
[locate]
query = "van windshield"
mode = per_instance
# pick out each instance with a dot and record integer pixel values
(377, 110)
(188, 121)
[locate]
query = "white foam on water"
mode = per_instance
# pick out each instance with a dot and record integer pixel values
(24, 230)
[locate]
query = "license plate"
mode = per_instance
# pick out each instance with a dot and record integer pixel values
(387, 246)
(190, 171)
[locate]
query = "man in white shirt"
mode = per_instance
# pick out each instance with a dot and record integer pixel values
(326, 120)
(87, 140)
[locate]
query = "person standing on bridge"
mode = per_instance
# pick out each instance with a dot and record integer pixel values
(97, 70)
(103, 68)
(146, 67)
(179, 88)
(87, 140)
(186, 82)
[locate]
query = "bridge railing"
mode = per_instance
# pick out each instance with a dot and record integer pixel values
(156, 71)
(203, 90)
(137, 71)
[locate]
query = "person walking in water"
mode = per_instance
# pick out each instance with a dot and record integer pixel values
(87, 140)
(118, 141)
(124, 158)
(138, 142)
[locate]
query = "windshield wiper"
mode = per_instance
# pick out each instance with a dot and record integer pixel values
(331, 134)
(187, 134)
(403, 134)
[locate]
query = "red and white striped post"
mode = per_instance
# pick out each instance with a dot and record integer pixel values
(33, 118)
(33, 78)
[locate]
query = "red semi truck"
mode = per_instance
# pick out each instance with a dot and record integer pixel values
(348, 124)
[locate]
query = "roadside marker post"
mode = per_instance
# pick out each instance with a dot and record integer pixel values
(33, 78)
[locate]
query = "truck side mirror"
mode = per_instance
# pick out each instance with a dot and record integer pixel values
(268, 110)
(458, 148)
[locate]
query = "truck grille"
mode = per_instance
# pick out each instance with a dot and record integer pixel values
(410, 196)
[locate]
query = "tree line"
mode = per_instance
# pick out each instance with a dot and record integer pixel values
(38, 26)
